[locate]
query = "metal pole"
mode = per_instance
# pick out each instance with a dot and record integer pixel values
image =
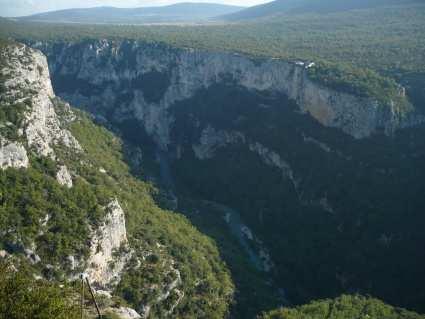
(82, 296)
(94, 298)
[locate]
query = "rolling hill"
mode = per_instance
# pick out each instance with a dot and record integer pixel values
(280, 7)
(181, 12)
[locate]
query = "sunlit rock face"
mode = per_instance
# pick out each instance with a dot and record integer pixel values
(109, 249)
(124, 313)
(12, 155)
(132, 79)
(41, 131)
(28, 81)
(63, 176)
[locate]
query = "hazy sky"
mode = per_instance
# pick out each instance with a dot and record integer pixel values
(25, 7)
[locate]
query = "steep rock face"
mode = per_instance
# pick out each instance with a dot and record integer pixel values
(12, 155)
(144, 80)
(124, 313)
(28, 80)
(40, 131)
(109, 250)
(64, 177)
(211, 140)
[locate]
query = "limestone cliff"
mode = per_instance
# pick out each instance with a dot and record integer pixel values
(27, 80)
(133, 79)
(68, 198)
(12, 155)
(28, 94)
(109, 248)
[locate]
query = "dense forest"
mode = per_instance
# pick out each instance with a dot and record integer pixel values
(320, 250)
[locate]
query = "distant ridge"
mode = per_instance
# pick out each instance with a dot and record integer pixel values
(181, 12)
(279, 7)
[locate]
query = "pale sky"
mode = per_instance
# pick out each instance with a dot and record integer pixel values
(10, 8)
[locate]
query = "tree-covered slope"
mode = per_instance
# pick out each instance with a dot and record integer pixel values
(280, 7)
(22, 296)
(344, 307)
(336, 214)
(59, 175)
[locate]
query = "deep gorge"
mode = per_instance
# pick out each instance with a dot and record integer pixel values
(330, 183)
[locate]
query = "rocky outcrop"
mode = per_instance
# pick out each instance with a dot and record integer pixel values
(212, 139)
(324, 147)
(28, 80)
(64, 177)
(109, 249)
(31, 255)
(271, 158)
(165, 291)
(123, 313)
(12, 155)
(133, 79)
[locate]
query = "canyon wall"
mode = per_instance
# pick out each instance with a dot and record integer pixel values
(316, 174)
(140, 80)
